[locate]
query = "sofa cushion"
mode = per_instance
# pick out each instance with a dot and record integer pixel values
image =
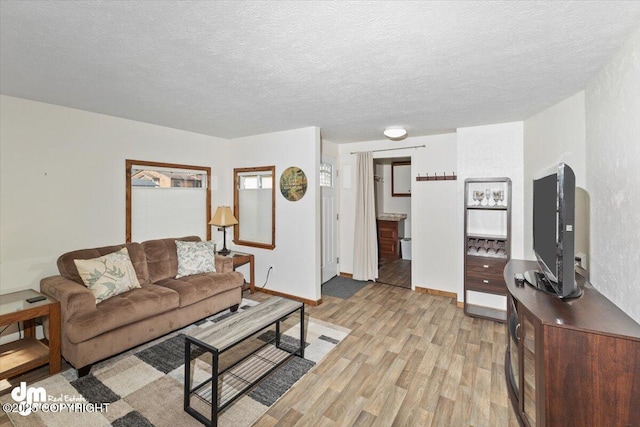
(121, 310)
(195, 258)
(108, 275)
(162, 258)
(68, 269)
(196, 288)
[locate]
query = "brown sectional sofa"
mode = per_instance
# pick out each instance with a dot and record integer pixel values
(92, 332)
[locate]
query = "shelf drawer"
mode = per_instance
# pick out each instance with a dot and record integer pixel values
(487, 279)
(488, 285)
(388, 247)
(386, 233)
(485, 274)
(389, 244)
(490, 277)
(481, 266)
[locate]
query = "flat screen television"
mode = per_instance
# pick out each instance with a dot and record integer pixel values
(554, 193)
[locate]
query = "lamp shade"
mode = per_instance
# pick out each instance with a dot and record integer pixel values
(223, 217)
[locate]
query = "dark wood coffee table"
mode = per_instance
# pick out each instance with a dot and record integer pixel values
(248, 371)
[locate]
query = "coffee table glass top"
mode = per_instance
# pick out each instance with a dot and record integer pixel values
(16, 301)
(230, 331)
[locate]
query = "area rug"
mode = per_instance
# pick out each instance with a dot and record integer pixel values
(144, 386)
(342, 287)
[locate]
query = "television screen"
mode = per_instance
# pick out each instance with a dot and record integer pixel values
(553, 234)
(545, 221)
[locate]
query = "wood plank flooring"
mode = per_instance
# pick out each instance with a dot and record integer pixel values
(412, 359)
(396, 272)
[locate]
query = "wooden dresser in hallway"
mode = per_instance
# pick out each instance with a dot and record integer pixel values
(390, 231)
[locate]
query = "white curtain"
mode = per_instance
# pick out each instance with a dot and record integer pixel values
(365, 247)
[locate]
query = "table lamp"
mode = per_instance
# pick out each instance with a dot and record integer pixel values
(223, 218)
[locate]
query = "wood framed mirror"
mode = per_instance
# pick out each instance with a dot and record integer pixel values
(401, 179)
(254, 205)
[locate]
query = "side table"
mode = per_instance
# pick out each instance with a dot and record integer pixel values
(241, 258)
(28, 353)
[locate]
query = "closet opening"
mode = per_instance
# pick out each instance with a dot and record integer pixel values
(392, 178)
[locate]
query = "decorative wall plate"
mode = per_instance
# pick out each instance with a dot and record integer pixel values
(293, 183)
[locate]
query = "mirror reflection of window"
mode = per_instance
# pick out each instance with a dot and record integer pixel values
(401, 179)
(254, 205)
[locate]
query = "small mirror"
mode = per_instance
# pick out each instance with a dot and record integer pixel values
(401, 179)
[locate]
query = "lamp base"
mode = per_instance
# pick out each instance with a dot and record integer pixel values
(224, 251)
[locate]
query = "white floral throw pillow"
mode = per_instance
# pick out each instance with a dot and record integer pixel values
(195, 258)
(108, 275)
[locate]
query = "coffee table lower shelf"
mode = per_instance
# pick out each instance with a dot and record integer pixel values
(222, 388)
(234, 382)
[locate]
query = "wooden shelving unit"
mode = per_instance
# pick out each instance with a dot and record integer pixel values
(487, 243)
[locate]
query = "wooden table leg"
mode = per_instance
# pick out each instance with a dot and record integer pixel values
(252, 276)
(54, 338)
(29, 328)
(302, 341)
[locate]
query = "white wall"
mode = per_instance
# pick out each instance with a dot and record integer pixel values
(436, 233)
(436, 240)
(487, 152)
(613, 178)
(329, 148)
(62, 181)
(556, 135)
(296, 257)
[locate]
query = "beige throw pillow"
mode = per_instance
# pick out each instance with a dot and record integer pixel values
(195, 258)
(108, 275)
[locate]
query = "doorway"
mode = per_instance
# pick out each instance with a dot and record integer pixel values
(329, 218)
(393, 213)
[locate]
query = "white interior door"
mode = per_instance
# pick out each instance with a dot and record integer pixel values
(329, 212)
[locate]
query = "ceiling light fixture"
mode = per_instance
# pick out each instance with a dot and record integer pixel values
(395, 134)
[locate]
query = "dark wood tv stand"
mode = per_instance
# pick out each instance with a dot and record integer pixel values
(570, 363)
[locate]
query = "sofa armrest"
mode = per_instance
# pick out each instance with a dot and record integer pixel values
(224, 264)
(74, 298)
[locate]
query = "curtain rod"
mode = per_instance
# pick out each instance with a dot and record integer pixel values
(391, 149)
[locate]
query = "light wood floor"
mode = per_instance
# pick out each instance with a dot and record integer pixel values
(412, 359)
(395, 272)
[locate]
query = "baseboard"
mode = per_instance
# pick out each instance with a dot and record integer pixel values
(438, 292)
(347, 275)
(293, 297)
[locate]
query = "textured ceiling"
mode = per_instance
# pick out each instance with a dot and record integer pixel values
(233, 69)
